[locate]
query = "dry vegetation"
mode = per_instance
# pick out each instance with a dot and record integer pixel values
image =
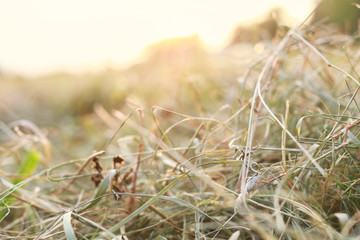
(162, 150)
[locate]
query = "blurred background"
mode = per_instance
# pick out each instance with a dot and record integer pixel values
(66, 66)
(39, 37)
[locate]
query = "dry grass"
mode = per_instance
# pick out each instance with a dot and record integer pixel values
(215, 147)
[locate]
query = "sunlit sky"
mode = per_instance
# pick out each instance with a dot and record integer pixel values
(41, 36)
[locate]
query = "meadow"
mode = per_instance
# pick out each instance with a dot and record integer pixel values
(246, 143)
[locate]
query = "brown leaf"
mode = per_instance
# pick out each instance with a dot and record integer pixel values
(118, 160)
(97, 179)
(97, 165)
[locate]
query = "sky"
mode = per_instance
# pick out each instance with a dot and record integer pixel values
(41, 36)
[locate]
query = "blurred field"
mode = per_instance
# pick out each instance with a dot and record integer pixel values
(184, 132)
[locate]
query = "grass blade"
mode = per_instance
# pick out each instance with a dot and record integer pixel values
(27, 167)
(147, 204)
(69, 231)
(104, 186)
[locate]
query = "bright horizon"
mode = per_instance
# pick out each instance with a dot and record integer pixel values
(39, 37)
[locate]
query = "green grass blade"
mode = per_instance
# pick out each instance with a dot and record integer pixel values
(208, 202)
(29, 165)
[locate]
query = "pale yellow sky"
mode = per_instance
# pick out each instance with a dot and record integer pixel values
(41, 36)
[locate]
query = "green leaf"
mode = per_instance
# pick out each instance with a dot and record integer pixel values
(29, 165)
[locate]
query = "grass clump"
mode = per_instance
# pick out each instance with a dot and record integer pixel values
(262, 149)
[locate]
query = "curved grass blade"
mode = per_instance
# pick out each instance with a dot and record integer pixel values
(68, 229)
(235, 235)
(59, 179)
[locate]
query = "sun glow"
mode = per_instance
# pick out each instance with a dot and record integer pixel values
(42, 36)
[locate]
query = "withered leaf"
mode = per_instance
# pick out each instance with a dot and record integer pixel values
(97, 164)
(117, 160)
(97, 179)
